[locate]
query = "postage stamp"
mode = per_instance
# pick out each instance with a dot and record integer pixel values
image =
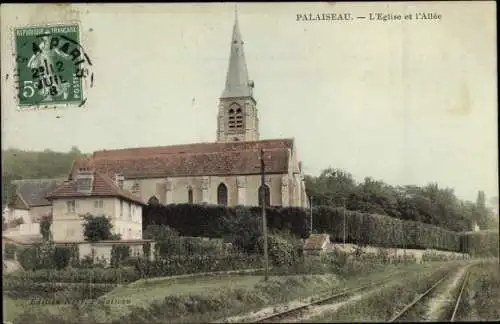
(51, 66)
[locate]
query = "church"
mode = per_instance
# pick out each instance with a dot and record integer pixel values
(225, 172)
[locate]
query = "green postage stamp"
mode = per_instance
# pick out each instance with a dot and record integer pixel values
(51, 66)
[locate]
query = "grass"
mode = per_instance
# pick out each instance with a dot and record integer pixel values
(481, 297)
(386, 301)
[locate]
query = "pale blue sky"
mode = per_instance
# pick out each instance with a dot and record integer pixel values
(405, 102)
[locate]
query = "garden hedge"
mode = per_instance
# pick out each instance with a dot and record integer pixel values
(361, 228)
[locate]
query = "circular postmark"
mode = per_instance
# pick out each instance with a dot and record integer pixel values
(52, 68)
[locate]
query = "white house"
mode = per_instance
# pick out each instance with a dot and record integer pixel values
(90, 192)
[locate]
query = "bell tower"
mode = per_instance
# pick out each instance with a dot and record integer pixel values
(237, 119)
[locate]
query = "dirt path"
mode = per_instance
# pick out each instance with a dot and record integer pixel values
(438, 303)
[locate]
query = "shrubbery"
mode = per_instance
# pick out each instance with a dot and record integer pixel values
(119, 253)
(180, 265)
(481, 244)
(10, 251)
(244, 224)
(75, 275)
(44, 256)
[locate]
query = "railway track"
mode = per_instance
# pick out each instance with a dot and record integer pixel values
(421, 298)
(293, 312)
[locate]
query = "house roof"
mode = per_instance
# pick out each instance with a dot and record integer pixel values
(32, 192)
(102, 186)
(201, 159)
(316, 241)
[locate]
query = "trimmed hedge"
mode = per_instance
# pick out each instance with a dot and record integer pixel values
(215, 221)
(361, 228)
(93, 275)
(181, 265)
(481, 244)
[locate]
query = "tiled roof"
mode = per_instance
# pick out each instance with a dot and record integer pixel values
(316, 241)
(33, 191)
(102, 186)
(202, 159)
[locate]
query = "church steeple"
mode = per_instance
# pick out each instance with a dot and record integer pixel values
(237, 82)
(237, 119)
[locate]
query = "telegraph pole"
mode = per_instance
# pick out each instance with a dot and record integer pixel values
(343, 199)
(264, 220)
(311, 212)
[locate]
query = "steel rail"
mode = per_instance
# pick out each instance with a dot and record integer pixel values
(323, 300)
(419, 298)
(459, 298)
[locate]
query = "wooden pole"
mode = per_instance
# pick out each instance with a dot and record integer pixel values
(264, 219)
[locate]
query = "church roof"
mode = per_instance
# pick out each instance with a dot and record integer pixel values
(102, 186)
(31, 192)
(237, 82)
(201, 159)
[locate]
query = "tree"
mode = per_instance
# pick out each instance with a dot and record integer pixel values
(45, 224)
(97, 228)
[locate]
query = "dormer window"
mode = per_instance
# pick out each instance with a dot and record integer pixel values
(84, 180)
(119, 179)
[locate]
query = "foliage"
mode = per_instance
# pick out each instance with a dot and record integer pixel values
(241, 225)
(45, 224)
(180, 265)
(238, 223)
(97, 228)
(19, 164)
(10, 251)
(62, 256)
(76, 275)
(428, 204)
(18, 221)
(119, 253)
(481, 244)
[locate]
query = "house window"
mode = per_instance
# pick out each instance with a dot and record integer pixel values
(98, 204)
(121, 207)
(264, 193)
(222, 194)
(130, 211)
(190, 196)
(129, 233)
(71, 206)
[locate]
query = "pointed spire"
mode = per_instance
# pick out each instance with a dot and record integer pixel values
(237, 82)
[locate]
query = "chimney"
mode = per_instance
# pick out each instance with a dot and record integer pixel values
(119, 178)
(84, 180)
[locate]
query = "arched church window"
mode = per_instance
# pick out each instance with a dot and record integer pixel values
(264, 193)
(239, 118)
(153, 201)
(222, 194)
(190, 195)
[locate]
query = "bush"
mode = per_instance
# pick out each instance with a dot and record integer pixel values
(180, 265)
(119, 253)
(97, 228)
(29, 258)
(10, 251)
(62, 256)
(480, 244)
(76, 275)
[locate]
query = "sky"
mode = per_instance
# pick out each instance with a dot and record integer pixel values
(406, 101)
